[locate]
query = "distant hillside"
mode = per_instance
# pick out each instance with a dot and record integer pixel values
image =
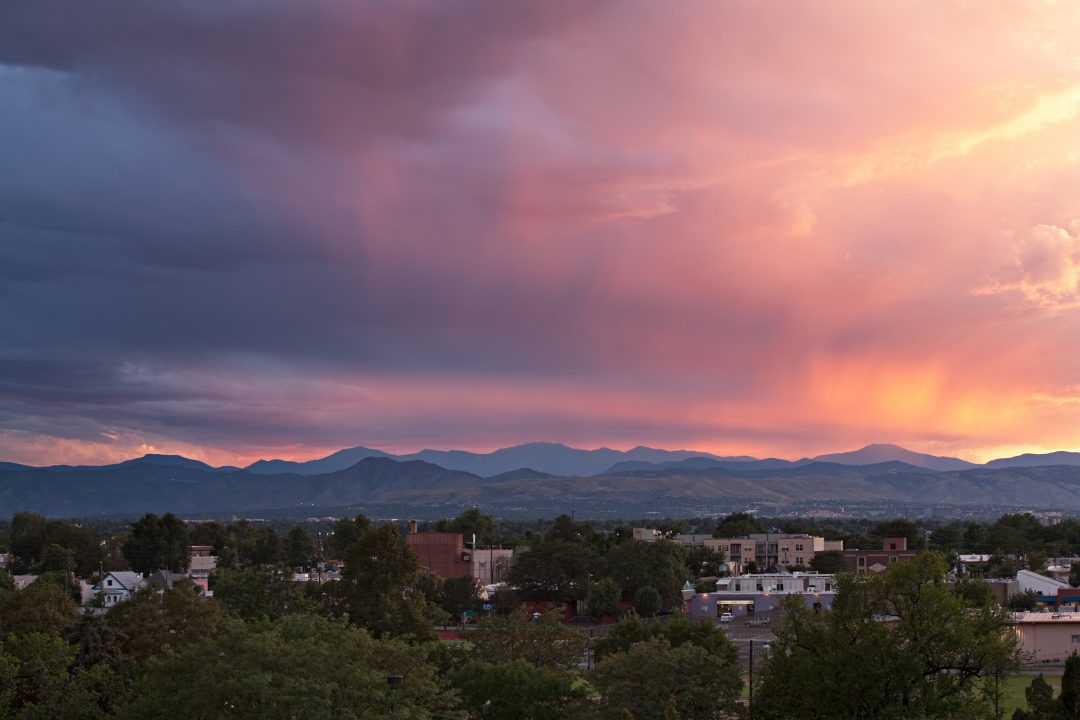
(550, 458)
(1037, 460)
(883, 453)
(135, 488)
(170, 460)
(699, 463)
(336, 461)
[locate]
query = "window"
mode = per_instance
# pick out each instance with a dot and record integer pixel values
(1076, 639)
(779, 587)
(760, 587)
(828, 587)
(798, 560)
(862, 561)
(892, 546)
(109, 583)
(798, 548)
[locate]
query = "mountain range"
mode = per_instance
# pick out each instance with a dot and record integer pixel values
(641, 476)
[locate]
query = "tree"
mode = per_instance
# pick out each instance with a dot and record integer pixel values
(928, 661)
(473, 522)
(157, 543)
(1070, 687)
(829, 561)
(554, 570)
(155, 622)
(653, 680)
(1040, 701)
(900, 527)
(303, 666)
(299, 548)
(259, 592)
(515, 690)
(660, 565)
(42, 607)
(737, 525)
(345, 533)
(647, 601)
(702, 561)
(678, 632)
(603, 598)
(1025, 601)
(379, 568)
(543, 643)
(1074, 575)
(459, 595)
(38, 680)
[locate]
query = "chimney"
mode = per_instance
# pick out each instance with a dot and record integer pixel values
(414, 527)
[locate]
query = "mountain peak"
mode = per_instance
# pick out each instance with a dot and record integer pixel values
(886, 452)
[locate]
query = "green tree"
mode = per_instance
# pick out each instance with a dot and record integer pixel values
(1070, 687)
(702, 561)
(379, 568)
(976, 592)
(1025, 601)
(1041, 704)
(515, 690)
(660, 565)
(345, 533)
(678, 632)
(300, 667)
(157, 543)
(156, 622)
(829, 561)
(647, 601)
(300, 548)
(260, 592)
(927, 661)
(603, 598)
(543, 643)
(42, 607)
(554, 570)
(473, 522)
(37, 680)
(737, 525)
(900, 527)
(459, 595)
(654, 680)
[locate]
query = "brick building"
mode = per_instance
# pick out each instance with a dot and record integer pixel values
(440, 553)
(893, 549)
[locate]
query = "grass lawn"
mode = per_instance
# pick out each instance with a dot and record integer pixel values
(1013, 690)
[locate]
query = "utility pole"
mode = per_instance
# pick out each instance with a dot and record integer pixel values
(752, 667)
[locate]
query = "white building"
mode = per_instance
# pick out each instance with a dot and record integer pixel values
(119, 586)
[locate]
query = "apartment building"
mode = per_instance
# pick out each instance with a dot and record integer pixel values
(771, 551)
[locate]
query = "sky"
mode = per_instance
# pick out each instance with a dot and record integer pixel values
(276, 228)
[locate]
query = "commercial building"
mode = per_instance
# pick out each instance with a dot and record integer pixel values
(771, 551)
(440, 553)
(759, 594)
(1047, 636)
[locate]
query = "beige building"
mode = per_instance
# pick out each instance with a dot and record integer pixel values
(491, 565)
(770, 550)
(1047, 636)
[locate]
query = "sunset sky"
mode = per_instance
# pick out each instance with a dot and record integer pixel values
(270, 228)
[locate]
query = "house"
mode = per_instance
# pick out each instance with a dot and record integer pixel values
(1047, 636)
(201, 563)
(893, 550)
(119, 586)
(164, 579)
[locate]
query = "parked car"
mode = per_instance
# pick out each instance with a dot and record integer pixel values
(726, 617)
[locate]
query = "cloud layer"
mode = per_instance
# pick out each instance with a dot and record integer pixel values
(278, 228)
